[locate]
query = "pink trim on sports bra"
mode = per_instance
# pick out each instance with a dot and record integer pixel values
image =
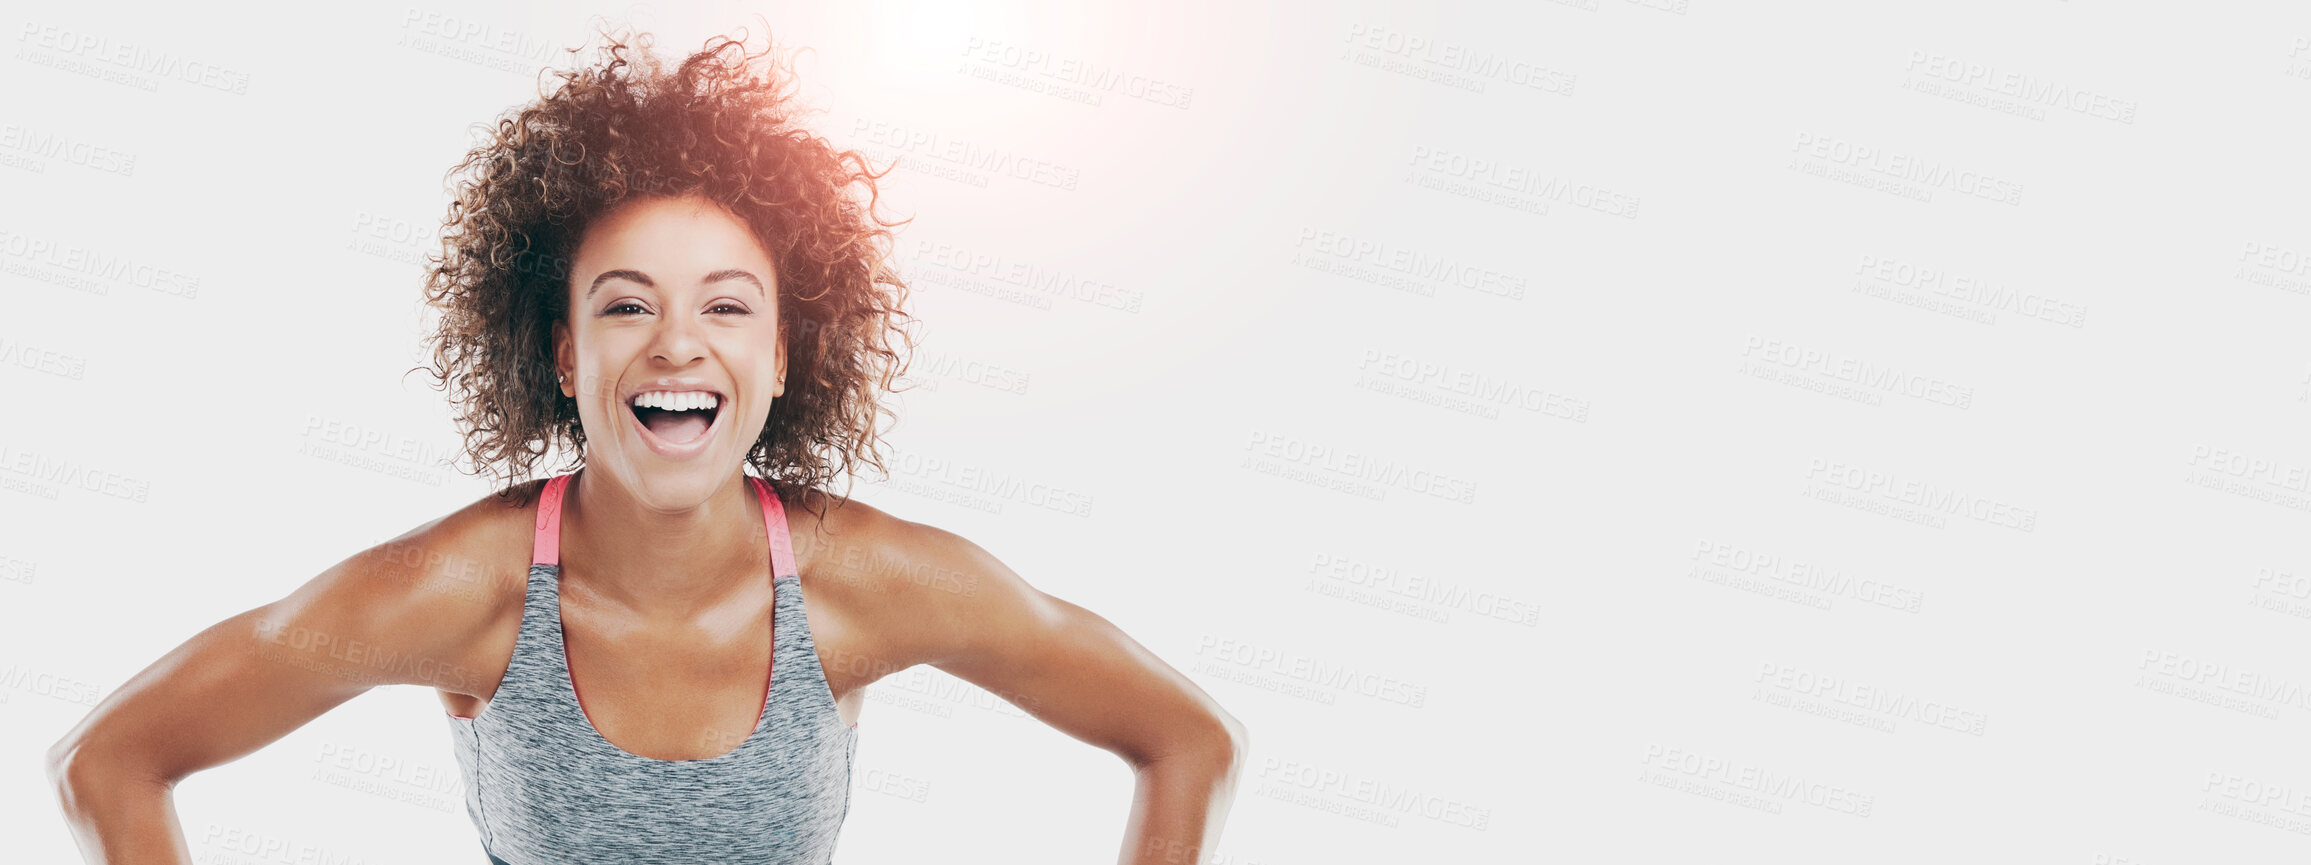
(546, 549)
(774, 525)
(546, 545)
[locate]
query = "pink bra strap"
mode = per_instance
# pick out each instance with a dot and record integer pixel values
(774, 524)
(546, 545)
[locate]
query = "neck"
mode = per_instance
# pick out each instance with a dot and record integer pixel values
(662, 562)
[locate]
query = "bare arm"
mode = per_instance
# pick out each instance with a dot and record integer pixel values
(1074, 670)
(396, 613)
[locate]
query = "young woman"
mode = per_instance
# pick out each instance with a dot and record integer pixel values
(657, 270)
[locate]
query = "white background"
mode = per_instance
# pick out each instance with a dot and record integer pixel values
(1650, 432)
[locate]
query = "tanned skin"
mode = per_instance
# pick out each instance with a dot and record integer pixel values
(665, 587)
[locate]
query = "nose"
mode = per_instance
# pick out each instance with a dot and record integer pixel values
(677, 340)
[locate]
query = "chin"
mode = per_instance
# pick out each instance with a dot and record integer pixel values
(675, 471)
(679, 487)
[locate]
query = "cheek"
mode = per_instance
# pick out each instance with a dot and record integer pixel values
(600, 418)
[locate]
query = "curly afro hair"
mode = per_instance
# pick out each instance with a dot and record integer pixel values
(724, 125)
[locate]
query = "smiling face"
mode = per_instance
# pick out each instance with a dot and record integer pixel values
(672, 348)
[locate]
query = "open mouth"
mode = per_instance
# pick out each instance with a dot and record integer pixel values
(677, 417)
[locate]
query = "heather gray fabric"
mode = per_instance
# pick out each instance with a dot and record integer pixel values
(544, 788)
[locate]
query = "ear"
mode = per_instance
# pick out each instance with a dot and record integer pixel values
(778, 381)
(565, 359)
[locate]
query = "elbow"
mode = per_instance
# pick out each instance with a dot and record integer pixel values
(59, 760)
(80, 774)
(1219, 750)
(65, 769)
(1237, 744)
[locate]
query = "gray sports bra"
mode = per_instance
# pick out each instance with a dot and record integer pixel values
(544, 788)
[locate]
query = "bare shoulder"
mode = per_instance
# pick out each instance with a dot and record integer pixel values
(429, 603)
(415, 609)
(914, 592)
(855, 547)
(474, 559)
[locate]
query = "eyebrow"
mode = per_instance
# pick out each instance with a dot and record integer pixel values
(637, 276)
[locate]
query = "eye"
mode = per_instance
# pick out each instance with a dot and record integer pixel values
(732, 307)
(623, 304)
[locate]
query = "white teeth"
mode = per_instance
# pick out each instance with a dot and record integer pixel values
(676, 400)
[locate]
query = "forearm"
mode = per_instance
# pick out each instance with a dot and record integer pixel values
(118, 819)
(1177, 808)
